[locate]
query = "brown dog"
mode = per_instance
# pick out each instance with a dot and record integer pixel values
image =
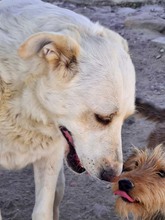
(141, 185)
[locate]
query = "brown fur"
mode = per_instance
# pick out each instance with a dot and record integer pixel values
(145, 169)
(155, 114)
(150, 111)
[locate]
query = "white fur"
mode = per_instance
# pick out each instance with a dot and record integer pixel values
(36, 98)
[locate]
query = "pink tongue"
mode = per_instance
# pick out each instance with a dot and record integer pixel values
(69, 137)
(124, 195)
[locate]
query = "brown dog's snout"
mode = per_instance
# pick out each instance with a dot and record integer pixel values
(125, 185)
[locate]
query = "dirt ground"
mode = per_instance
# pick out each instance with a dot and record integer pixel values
(86, 198)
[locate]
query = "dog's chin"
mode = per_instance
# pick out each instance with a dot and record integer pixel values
(72, 158)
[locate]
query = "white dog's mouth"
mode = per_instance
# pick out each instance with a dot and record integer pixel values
(72, 157)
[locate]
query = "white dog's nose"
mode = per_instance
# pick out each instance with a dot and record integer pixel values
(108, 175)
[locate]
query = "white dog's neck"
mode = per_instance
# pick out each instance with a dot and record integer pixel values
(24, 124)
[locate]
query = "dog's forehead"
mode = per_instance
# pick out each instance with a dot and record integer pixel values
(101, 95)
(104, 100)
(100, 91)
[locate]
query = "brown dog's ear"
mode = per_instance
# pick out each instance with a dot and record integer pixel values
(54, 48)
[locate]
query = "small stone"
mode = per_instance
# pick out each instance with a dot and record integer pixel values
(108, 186)
(153, 10)
(162, 50)
(158, 56)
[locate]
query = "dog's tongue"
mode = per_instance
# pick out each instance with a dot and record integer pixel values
(68, 136)
(124, 195)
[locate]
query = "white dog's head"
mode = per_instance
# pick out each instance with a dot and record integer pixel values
(88, 87)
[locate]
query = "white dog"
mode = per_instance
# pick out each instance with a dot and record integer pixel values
(66, 86)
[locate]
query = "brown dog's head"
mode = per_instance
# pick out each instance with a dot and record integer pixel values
(87, 88)
(140, 187)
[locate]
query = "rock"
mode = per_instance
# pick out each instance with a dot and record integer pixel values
(132, 3)
(159, 41)
(126, 11)
(153, 9)
(146, 21)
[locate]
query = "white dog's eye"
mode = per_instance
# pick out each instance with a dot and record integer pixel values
(105, 120)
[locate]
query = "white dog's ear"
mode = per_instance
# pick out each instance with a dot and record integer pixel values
(54, 48)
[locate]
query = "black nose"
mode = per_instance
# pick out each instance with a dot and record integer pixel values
(125, 185)
(107, 175)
